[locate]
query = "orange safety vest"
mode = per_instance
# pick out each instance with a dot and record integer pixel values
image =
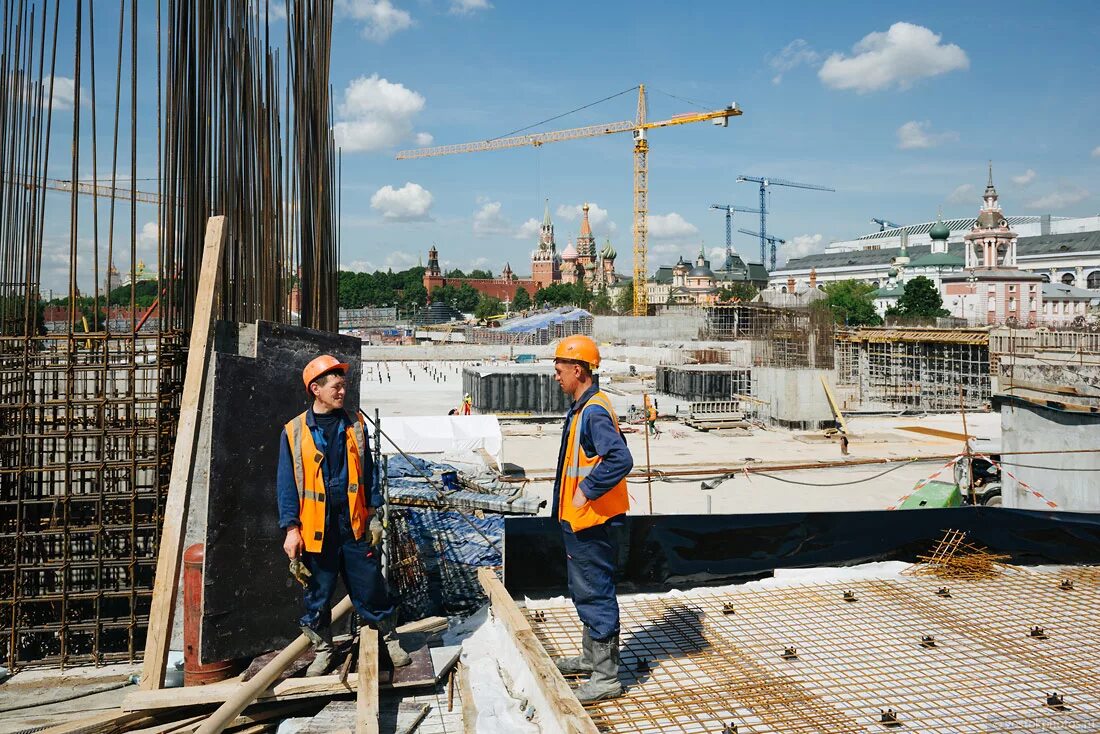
(310, 480)
(576, 465)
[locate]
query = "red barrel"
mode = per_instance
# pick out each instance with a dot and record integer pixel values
(194, 673)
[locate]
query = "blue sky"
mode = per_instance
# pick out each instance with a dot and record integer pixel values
(897, 106)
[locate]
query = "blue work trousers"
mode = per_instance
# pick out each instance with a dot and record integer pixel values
(590, 559)
(342, 556)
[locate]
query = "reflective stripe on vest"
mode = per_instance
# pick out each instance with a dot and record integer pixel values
(310, 482)
(576, 466)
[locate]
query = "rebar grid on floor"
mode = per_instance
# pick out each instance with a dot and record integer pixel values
(981, 656)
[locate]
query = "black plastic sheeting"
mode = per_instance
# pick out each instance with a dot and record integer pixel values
(664, 552)
(704, 382)
(515, 389)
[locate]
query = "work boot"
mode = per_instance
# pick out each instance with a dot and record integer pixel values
(323, 650)
(388, 629)
(581, 664)
(604, 682)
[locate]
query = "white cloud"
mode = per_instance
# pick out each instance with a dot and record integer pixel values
(359, 266)
(915, 134)
(668, 248)
(381, 18)
(1063, 196)
(1096, 152)
(717, 256)
(529, 229)
(149, 234)
(376, 114)
(489, 221)
(670, 226)
(898, 57)
(468, 7)
(963, 193)
(1024, 178)
(423, 139)
(793, 55)
(597, 217)
(275, 9)
(64, 92)
(410, 203)
(802, 245)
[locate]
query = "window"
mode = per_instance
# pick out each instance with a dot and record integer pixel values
(992, 303)
(1045, 277)
(1068, 279)
(1011, 304)
(1093, 281)
(1012, 289)
(1031, 305)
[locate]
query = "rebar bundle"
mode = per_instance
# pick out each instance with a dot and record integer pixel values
(953, 558)
(227, 120)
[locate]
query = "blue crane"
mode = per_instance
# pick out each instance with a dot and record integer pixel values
(884, 224)
(773, 241)
(764, 184)
(729, 209)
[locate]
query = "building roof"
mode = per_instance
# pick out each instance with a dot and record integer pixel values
(700, 271)
(895, 292)
(1063, 292)
(954, 225)
(1038, 245)
(937, 259)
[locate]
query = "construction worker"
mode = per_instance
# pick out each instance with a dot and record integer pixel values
(467, 404)
(651, 417)
(590, 500)
(331, 511)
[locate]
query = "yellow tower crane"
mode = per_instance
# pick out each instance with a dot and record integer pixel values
(638, 126)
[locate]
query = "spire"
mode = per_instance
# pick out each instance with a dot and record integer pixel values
(586, 228)
(989, 184)
(546, 214)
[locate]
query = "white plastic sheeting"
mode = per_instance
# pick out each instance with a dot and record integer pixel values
(439, 434)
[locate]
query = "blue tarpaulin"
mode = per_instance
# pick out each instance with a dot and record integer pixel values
(545, 320)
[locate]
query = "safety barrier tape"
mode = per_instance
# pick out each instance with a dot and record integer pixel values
(926, 480)
(1025, 485)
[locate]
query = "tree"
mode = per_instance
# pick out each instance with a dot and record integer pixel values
(488, 306)
(467, 298)
(601, 304)
(738, 291)
(624, 304)
(851, 303)
(920, 300)
(522, 300)
(456, 273)
(480, 275)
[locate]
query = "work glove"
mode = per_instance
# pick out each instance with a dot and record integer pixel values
(376, 528)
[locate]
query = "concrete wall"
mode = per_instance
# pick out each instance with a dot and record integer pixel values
(795, 396)
(647, 329)
(651, 355)
(1067, 479)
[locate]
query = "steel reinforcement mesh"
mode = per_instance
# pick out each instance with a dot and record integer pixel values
(1014, 653)
(87, 424)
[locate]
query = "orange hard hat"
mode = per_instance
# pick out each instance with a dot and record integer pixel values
(321, 365)
(580, 348)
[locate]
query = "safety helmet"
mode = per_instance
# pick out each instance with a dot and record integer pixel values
(579, 348)
(321, 365)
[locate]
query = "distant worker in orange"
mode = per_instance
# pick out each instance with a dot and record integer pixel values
(467, 404)
(331, 511)
(590, 502)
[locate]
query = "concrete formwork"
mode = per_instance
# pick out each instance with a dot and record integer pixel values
(794, 397)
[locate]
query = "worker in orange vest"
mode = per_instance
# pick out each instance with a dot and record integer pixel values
(330, 508)
(590, 501)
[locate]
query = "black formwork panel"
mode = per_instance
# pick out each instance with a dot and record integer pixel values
(527, 389)
(704, 381)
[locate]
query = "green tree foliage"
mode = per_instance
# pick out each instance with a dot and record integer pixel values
(601, 304)
(456, 273)
(737, 291)
(480, 275)
(522, 300)
(488, 306)
(564, 294)
(467, 298)
(625, 302)
(851, 303)
(382, 288)
(919, 301)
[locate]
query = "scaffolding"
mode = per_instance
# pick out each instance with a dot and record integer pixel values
(923, 369)
(780, 337)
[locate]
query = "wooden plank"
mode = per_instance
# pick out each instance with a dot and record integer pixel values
(366, 701)
(834, 407)
(110, 721)
(421, 714)
(565, 710)
(469, 708)
(428, 624)
(165, 584)
(937, 432)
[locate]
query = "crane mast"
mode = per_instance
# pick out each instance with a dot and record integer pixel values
(765, 182)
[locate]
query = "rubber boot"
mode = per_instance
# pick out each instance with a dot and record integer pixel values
(323, 650)
(581, 664)
(388, 629)
(604, 682)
